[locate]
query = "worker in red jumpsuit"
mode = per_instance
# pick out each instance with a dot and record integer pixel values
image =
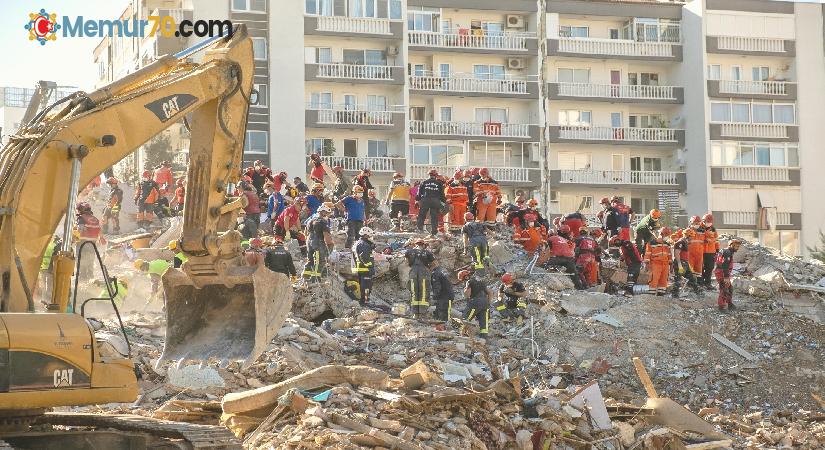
(574, 220)
(723, 272)
(563, 255)
(587, 250)
(164, 177)
(625, 215)
(630, 256)
(317, 172)
(180, 196)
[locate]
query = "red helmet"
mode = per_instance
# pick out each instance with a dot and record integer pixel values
(614, 241)
(247, 178)
(564, 229)
(604, 201)
(256, 243)
(507, 278)
(112, 180)
(179, 182)
(282, 175)
(398, 175)
(468, 173)
(519, 199)
(432, 173)
(475, 171)
(557, 222)
(665, 231)
(314, 156)
(677, 234)
(464, 275)
(83, 207)
(147, 174)
(695, 219)
(484, 172)
(596, 233)
(277, 239)
(707, 218)
(457, 174)
(468, 216)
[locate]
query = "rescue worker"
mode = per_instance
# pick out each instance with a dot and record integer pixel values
(180, 257)
(563, 254)
(512, 299)
(275, 205)
(532, 207)
(260, 175)
(246, 226)
(319, 244)
(696, 246)
(164, 178)
(609, 216)
(574, 220)
(180, 196)
(278, 181)
(374, 205)
(302, 187)
(723, 272)
(658, 256)
(711, 247)
(457, 199)
(587, 252)
(479, 296)
(443, 293)
(289, 223)
(430, 199)
(315, 198)
(112, 211)
(398, 199)
(363, 263)
(341, 187)
(253, 205)
(514, 216)
(474, 237)
(488, 197)
(120, 289)
(681, 266)
(420, 259)
(363, 180)
(354, 207)
(155, 268)
(278, 259)
(146, 195)
(645, 228)
(254, 255)
(88, 226)
(317, 171)
(532, 236)
(630, 256)
(624, 217)
(468, 182)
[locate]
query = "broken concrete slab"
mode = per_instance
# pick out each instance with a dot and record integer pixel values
(606, 319)
(195, 377)
(585, 303)
(590, 396)
(727, 343)
(673, 415)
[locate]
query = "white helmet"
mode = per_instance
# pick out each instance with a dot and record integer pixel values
(367, 232)
(324, 209)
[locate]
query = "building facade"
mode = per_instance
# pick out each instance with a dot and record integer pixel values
(687, 107)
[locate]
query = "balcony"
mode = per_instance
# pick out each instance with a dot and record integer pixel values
(488, 5)
(773, 90)
(496, 131)
(465, 41)
(771, 132)
(350, 117)
(379, 164)
(750, 175)
(466, 85)
(653, 179)
(614, 49)
(354, 27)
(750, 219)
(744, 45)
(617, 135)
(355, 73)
(616, 93)
(500, 174)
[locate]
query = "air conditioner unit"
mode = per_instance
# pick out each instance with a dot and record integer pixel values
(514, 21)
(392, 51)
(516, 64)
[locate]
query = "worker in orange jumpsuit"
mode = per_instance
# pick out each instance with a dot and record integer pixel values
(164, 177)
(658, 255)
(696, 246)
(488, 196)
(180, 196)
(457, 199)
(711, 247)
(146, 195)
(532, 236)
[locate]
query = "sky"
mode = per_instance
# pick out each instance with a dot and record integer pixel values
(66, 61)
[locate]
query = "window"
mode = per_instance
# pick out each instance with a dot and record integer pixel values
(643, 78)
(376, 149)
(574, 161)
(744, 157)
(259, 48)
(363, 8)
(446, 113)
(365, 57)
(423, 20)
(613, 33)
(760, 73)
(419, 70)
(318, 7)
(484, 115)
(256, 142)
(395, 9)
(735, 73)
(321, 146)
(251, 5)
(323, 55)
(645, 120)
(783, 113)
(575, 118)
(777, 157)
(574, 75)
(350, 102)
(377, 103)
(421, 154)
(762, 113)
(488, 72)
(714, 72)
(763, 155)
(740, 112)
(774, 154)
(320, 100)
(638, 163)
(793, 157)
(263, 94)
(573, 31)
(444, 70)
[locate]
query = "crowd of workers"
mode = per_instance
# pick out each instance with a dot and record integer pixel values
(469, 204)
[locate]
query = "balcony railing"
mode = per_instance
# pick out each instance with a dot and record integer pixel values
(607, 177)
(618, 134)
(617, 47)
(351, 115)
(751, 44)
(497, 41)
(459, 83)
(755, 174)
(512, 130)
(502, 174)
(753, 87)
(356, 163)
(354, 71)
(617, 91)
(342, 24)
(756, 130)
(751, 217)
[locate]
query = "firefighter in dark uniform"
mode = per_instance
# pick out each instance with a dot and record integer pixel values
(363, 263)
(420, 260)
(319, 242)
(724, 269)
(443, 294)
(478, 297)
(512, 299)
(278, 259)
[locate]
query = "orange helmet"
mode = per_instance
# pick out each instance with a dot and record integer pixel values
(532, 203)
(507, 278)
(464, 275)
(707, 218)
(655, 213)
(677, 234)
(689, 233)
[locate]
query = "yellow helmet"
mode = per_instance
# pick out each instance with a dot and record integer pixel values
(139, 264)
(173, 245)
(124, 282)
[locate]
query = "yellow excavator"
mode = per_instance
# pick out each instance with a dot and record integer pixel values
(216, 306)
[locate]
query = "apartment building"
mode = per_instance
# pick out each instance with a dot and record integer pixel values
(13, 104)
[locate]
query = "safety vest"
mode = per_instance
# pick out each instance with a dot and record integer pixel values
(158, 266)
(697, 237)
(47, 256)
(658, 252)
(457, 194)
(119, 297)
(487, 189)
(400, 191)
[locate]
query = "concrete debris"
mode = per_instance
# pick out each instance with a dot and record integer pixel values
(194, 377)
(585, 303)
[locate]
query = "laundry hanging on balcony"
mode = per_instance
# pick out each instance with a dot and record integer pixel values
(768, 211)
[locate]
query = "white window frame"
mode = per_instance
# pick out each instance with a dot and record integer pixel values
(569, 30)
(709, 74)
(266, 48)
(579, 112)
(248, 7)
(440, 111)
(719, 148)
(386, 143)
(573, 74)
(731, 102)
(311, 147)
(263, 95)
(248, 150)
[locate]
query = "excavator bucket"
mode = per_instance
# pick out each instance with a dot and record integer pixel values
(231, 318)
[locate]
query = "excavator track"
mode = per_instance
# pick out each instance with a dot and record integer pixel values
(210, 437)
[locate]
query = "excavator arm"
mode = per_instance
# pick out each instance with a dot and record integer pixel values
(45, 163)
